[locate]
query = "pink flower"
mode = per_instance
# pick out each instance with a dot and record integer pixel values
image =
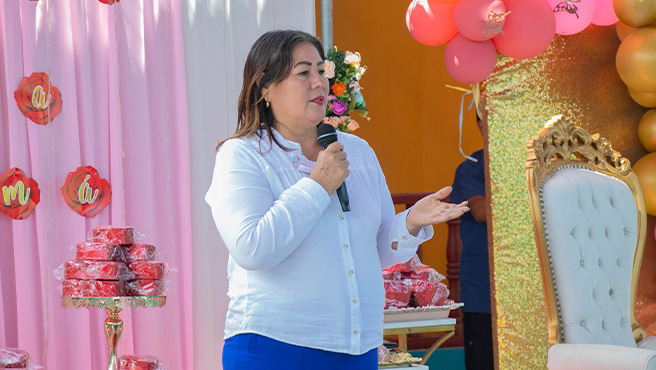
(339, 107)
(335, 121)
(352, 125)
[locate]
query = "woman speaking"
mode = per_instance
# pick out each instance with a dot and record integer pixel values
(305, 281)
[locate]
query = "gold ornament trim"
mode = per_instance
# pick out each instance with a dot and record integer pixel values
(561, 143)
(113, 303)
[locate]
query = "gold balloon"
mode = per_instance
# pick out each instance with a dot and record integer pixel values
(636, 59)
(623, 30)
(647, 130)
(636, 13)
(646, 99)
(645, 169)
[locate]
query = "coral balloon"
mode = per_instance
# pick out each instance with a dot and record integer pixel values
(479, 20)
(430, 22)
(647, 130)
(636, 13)
(645, 169)
(636, 60)
(623, 30)
(646, 99)
(572, 17)
(468, 61)
(604, 14)
(528, 30)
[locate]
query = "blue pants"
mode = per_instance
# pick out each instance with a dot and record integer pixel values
(257, 352)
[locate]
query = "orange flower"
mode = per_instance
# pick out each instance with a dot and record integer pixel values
(339, 88)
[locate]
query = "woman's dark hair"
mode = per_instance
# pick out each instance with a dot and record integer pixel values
(268, 62)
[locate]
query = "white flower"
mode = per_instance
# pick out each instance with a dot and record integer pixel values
(360, 72)
(352, 58)
(330, 68)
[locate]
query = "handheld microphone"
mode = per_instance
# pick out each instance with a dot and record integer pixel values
(327, 135)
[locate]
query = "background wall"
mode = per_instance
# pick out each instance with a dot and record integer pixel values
(414, 116)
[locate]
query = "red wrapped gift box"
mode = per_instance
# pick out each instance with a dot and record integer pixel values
(423, 292)
(13, 358)
(409, 266)
(140, 252)
(93, 288)
(135, 362)
(96, 270)
(427, 274)
(440, 297)
(149, 270)
(147, 287)
(98, 252)
(397, 293)
(113, 235)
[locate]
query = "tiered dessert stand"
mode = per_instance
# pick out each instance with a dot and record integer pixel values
(113, 324)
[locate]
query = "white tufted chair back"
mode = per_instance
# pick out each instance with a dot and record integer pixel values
(591, 227)
(589, 221)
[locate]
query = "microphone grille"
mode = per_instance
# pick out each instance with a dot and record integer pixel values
(326, 135)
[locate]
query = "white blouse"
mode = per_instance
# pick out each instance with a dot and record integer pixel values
(300, 270)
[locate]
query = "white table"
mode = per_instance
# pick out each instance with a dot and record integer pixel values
(446, 326)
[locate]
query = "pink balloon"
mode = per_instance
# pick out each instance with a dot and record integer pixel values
(479, 20)
(468, 61)
(430, 22)
(604, 14)
(528, 30)
(572, 17)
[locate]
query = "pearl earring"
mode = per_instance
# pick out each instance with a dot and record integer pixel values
(267, 104)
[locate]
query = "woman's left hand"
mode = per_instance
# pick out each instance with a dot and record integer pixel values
(431, 210)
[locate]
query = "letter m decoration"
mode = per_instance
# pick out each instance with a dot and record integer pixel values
(20, 194)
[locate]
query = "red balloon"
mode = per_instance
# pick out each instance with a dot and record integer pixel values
(528, 30)
(430, 22)
(468, 61)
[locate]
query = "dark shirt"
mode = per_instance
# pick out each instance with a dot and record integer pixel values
(474, 268)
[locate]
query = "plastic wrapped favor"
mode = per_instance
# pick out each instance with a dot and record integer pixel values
(149, 269)
(113, 234)
(137, 362)
(426, 273)
(147, 287)
(13, 358)
(140, 252)
(397, 293)
(93, 288)
(408, 266)
(96, 270)
(98, 252)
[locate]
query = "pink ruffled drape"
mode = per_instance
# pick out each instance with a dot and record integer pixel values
(121, 72)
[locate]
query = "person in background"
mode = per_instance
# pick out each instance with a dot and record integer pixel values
(305, 282)
(469, 185)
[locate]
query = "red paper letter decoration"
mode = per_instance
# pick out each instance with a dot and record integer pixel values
(85, 192)
(20, 194)
(37, 99)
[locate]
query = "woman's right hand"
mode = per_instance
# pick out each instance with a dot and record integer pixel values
(331, 167)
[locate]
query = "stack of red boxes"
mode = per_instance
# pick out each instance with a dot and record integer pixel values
(148, 273)
(413, 284)
(14, 358)
(112, 265)
(136, 362)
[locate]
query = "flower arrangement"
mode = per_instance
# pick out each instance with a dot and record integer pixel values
(344, 71)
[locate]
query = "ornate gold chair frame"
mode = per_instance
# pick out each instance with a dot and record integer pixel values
(566, 152)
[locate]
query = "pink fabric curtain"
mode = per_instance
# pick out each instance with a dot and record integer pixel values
(120, 70)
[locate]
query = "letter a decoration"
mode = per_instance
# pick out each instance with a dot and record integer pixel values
(37, 99)
(85, 192)
(20, 194)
